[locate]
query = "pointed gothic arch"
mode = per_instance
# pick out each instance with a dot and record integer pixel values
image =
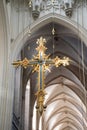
(19, 43)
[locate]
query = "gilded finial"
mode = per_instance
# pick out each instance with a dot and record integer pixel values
(53, 31)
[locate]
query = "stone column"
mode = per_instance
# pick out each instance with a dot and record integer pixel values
(37, 120)
(6, 89)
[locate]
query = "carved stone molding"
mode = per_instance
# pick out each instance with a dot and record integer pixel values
(80, 3)
(49, 5)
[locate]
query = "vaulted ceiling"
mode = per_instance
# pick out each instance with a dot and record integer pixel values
(65, 86)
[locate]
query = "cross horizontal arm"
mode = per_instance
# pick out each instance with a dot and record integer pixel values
(57, 61)
(25, 63)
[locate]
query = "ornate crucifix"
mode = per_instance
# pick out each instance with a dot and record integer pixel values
(41, 63)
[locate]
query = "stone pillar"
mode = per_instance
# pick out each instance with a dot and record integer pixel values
(30, 107)
(37, 120)
(6, 90)
(17, 91)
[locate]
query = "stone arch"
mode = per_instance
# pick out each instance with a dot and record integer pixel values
(19, 42)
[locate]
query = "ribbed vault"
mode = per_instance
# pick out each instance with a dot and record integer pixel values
(64, 108)
(65, 86)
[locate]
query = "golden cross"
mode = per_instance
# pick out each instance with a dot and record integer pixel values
(40, 63)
